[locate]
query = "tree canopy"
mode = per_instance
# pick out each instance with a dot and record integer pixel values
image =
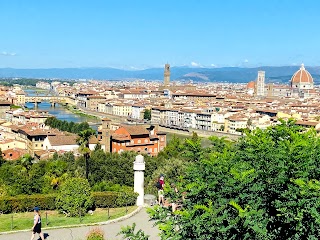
(265, 186)
(67, 126)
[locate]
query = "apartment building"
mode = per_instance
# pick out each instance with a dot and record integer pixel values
(203, 121)
(93, 102)
(234, 123)
(121, 109)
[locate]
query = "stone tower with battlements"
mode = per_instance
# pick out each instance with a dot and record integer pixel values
(105, 135)
(166, 80)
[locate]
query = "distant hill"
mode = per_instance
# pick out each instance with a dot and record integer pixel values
(225, 74)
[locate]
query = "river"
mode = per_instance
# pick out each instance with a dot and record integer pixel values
(58, 111)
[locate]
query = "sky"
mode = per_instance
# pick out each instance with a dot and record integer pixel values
(137, 34)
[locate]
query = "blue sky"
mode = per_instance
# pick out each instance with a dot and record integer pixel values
(139, 34)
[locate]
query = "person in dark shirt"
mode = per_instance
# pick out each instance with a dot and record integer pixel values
(37, 224)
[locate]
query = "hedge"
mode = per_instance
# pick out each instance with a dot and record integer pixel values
(114, 199)
(24, 203)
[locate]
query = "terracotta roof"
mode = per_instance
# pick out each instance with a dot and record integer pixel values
(302, 76)
(120, 137)
(13, 154)
(251, 85)
(62, 140)
(136, 130)
(106, 119)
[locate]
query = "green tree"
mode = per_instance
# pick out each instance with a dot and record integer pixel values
(192, 148)
(266, 186)
(147, 114)
(74, 197)
(83, 141)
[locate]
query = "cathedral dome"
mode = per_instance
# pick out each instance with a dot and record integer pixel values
(251, 85)
(302, 76)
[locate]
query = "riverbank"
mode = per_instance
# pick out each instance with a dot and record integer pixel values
(79, 112)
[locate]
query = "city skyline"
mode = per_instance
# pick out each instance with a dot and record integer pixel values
(140, 34)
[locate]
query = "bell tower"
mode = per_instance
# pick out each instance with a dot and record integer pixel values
(166, 80)
(105, 137)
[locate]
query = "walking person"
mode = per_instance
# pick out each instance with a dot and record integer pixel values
(37, 224)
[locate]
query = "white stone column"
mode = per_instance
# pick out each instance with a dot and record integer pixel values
(139, 166)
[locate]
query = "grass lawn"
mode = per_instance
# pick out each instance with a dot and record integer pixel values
(23, 221)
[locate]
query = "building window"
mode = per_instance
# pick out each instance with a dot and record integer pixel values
(146, 140)
(162, 139)
(114, 150)
(139, 141)
(155, 150)
(132, 141)
(146, 149)
(36, 145)
(123, 144)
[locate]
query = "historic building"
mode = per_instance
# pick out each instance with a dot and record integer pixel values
(260, 84)
(171, 87)
(166, 81)
(302, 83)
(301, 86)
(139, 138)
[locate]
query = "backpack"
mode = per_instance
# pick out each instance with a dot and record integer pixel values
(158, 185)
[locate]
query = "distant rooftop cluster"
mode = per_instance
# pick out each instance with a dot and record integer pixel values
(226, 108)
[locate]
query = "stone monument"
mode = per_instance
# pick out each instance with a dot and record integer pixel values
(139, 166)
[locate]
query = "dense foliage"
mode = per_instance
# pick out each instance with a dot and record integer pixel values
(23, 203)
(74, 197)
(108, 172)
(64, 125)
(265, 186)
(147, 114)
(129, 233)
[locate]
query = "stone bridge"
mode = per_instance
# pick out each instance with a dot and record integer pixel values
(52, 99)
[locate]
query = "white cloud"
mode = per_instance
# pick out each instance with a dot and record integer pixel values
(246, 61)
(213, 65)
(4, 53)
(195, 64)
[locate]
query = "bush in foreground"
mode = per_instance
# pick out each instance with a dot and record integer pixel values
(95, 234)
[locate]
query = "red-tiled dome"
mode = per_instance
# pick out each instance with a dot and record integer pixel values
(250, 85)
(301, 76)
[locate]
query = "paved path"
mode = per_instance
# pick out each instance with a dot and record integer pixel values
(141, 219)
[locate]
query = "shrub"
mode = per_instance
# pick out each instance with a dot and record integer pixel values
(95, 234)
(114, 199)
(74, 197)
(105, 199)
(24, 203)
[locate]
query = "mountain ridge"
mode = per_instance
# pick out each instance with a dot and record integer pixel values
(281, 74)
